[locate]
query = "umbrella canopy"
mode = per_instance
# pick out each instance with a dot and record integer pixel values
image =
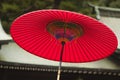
(41, 33)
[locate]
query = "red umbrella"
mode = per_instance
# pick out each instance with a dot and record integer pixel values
(63, 36)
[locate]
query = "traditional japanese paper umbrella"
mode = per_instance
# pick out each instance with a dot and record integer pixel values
(63, 36)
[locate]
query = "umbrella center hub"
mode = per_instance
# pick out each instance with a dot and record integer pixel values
(63, 31)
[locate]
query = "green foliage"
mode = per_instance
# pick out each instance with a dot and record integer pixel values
(108, 3)
(8, 7)
(115, 4)
(67, 5)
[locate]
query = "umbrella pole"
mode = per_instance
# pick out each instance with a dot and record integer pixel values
(60, 63)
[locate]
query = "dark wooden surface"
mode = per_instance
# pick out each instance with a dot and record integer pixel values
(9, 74)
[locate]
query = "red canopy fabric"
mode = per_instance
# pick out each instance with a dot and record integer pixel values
(30, 32)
